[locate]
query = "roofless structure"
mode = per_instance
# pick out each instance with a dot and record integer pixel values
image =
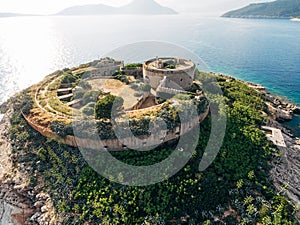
(180, 72)
(64, 97)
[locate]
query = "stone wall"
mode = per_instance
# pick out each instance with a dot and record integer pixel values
(161, 90)
(136, 72)
(140, 102)
(103, 71)
(118, 145)
(183, 77)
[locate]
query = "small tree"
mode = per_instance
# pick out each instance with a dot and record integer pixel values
(61, 129)
(105, 105)
(90, 96)
(145, 87)
(68, 78)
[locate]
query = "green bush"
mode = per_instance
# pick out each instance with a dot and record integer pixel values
(89, 111)
(85, 85)
(134, 86)
(145, 87)
(182, 97)
(90, 96)
(78, 94)
(170, 66)
(28, 105)
(68, 78)
(119, 72)
(122, 78)
(104, 106)
(138, 94)
(133, 66)
(61, 129)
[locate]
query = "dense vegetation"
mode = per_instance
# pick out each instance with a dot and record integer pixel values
(104, 106)
(276, 9)
(133, 66)
(120, 75)
(235, 189)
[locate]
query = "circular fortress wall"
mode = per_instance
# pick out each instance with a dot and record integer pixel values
(180, 71)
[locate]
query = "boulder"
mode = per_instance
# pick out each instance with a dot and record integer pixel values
(296, 110)
(283, 115)
(39, 204)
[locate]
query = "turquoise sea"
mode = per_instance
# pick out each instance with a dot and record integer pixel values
(261, 51)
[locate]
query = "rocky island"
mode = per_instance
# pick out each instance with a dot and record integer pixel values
(268, 10)
(45, 179)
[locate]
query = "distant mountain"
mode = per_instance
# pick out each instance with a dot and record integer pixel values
(276, 9)
(143, 7)
(88, 10)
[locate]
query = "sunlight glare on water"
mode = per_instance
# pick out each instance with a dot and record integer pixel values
(27, 49)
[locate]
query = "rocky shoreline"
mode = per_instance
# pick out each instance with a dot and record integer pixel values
(277, 109)
(285, 172)
(20, 205)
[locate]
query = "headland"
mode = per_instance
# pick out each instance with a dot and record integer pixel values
(46, 180)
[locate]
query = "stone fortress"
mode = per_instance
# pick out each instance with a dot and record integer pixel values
(54, 100)
(105, 67)
(175, 73)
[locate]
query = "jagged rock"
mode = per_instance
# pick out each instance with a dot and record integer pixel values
(42, 196)
(284, 115)
(39, 204)
(53, 221)
(279, 114)
(44, 209)
(46, 218)
(296, 110)
(35, 216)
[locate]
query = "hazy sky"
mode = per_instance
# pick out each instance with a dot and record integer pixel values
(53, 6)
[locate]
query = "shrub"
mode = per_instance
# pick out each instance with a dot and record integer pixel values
(140, 127)
(170, 66)
(28, 105)
(68, 78)
(121, 78)
(138, 94)
(61, 129)
(90, 96)
(182, 97)
(85, 85)
(89, 111)
(133, 66)
(78, 94)
(105, 105)
(119, 72)
(145, 87)
(134, 86)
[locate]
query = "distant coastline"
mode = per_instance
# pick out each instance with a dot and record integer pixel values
(136, 7)
(275, 9)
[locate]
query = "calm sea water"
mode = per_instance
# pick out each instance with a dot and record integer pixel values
(261, 51)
